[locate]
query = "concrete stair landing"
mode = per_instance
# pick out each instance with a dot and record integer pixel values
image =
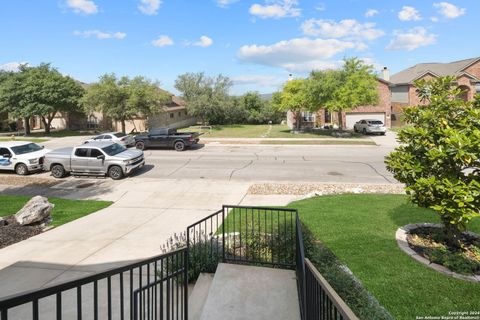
(240, 292)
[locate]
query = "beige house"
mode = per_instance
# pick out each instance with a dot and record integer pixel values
(174, 115)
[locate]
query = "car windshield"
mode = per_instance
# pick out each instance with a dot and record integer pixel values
(375, 122)
(119, 135)
(114, 149)
(26, 148)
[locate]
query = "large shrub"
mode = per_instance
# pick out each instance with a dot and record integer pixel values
(439, 155)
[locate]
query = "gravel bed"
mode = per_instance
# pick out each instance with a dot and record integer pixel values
(12, 232)
(318, 189)
(14, 180)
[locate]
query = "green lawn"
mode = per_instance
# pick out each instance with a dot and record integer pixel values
(360, 230)
(64, 211)
(257, 131)
(36, 140)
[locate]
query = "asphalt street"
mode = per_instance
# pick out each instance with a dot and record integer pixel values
(257, 163)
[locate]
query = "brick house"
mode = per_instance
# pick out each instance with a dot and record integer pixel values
(324, 117)
(403, 90)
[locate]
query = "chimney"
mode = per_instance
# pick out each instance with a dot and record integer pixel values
(386, 74)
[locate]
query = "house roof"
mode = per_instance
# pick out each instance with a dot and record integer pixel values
(411, 74)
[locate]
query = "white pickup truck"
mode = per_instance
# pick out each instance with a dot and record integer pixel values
(95, 158)
(22, 157)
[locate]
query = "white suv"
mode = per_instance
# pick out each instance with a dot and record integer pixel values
(22, 157)
(370, 126)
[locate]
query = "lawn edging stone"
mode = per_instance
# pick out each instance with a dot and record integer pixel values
(401, 237)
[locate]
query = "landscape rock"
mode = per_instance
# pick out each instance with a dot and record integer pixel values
(2, 222)
(35, 210)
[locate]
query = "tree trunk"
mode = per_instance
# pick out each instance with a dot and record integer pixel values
(46, 124)
(340, 120)
(26, 125)
(123, 125)
(298, 120)
(452, 234)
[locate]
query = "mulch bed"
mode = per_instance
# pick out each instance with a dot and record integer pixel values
(429, 242)
(12, 232)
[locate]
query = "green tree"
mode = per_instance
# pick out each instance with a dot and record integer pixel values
(123, 99)
(343, 90)
(294, 97)
(38, 91)
(206, 97)
(441, 142)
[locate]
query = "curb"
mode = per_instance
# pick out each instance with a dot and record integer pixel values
(401, 237)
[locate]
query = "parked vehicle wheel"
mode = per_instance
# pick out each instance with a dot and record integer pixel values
(21, 169)
(140, 145)
(58, 171)
(115, 172)
(364, 131)
(179, 146)
(383, 133)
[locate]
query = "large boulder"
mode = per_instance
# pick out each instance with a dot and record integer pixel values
(35, 210)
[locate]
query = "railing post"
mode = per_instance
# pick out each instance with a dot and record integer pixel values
(185, 289)
(223, 234)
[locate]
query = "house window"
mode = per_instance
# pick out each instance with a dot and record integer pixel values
(172, 115)
(179, 114)
(92, 122)
(308, 117)
(477, 88)
(186, 113)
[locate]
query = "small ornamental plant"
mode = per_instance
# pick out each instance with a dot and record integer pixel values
(439, 155)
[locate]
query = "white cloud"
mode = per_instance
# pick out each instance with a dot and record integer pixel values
(412, 39)
(448, 10)
(149, 7)
(83, 6)
(276, 9)
(371, 13)
(409, 14)
(101, 34)
(349, 29)
(225, 3)
(297, 55)
(434, 19)
(162, 41)
(11, 66)
(204, 42)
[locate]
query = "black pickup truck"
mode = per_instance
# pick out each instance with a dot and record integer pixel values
(166, 138)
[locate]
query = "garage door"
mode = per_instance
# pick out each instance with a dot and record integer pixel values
(353, 118)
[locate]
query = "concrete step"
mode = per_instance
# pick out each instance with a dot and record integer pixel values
(243, 292)
(199, 295)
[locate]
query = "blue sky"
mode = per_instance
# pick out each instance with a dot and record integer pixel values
(255, 42)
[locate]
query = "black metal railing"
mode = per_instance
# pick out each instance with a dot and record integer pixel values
(321, 300)
(269, 237)
(259, 236)
(141, 290)
(300, 268)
